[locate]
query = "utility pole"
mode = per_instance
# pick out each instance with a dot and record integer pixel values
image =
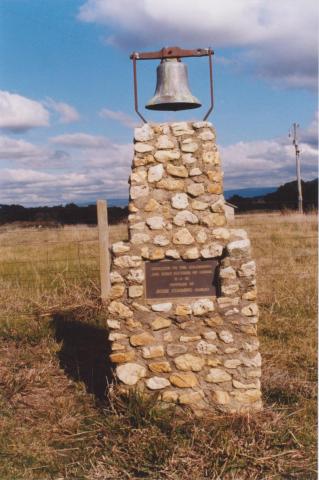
(295, 126)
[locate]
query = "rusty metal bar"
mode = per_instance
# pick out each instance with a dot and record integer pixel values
(135, 90)
(210, 60)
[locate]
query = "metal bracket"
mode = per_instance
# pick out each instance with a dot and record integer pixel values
(173, 52)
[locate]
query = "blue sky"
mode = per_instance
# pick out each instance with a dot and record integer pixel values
(66, 99)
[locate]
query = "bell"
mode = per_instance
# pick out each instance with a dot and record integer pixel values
(172, 89)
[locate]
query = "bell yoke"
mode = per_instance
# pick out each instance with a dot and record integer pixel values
(172, 91)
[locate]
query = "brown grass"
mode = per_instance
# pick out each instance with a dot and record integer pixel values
(55, 422)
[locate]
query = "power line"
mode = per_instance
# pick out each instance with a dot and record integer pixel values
(295, 126)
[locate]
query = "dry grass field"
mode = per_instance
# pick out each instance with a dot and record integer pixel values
(55, 421)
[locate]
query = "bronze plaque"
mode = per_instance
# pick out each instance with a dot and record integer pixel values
(178, 278)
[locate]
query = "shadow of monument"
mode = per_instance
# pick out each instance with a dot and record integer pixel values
(84, 354)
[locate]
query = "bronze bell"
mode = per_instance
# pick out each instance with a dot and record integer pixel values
(172, 90)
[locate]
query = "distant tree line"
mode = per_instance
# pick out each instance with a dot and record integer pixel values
(70, 214)
(284, 198)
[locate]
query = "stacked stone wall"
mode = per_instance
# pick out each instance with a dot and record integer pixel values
(200, 351)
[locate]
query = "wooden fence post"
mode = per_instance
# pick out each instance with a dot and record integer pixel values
(103, 229)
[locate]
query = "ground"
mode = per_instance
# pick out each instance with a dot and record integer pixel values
(55, 421)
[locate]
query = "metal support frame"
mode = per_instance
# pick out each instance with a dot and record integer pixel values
(173, 52)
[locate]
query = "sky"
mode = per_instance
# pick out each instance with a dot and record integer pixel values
(66, 90)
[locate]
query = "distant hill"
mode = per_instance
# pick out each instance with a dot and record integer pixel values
(284, 198)
(249, 192)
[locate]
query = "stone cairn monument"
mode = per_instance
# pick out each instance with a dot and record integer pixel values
(182, 312)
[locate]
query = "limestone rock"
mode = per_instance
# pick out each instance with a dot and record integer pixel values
(188, 362)
(139, 238)
(191, 254)
(188, 159)
(122, 357)
(157, 383)
(183, 309)
(136, 275)
(228, 273)
(210, 335)
(114, 336)
(138, 226)
(183, 237)
(118, 308)
(250, 310)
(221, 233)
(155, 173)
(226, 336)
(230, 289)
(135, 291)
(156, 254)
(144, 160)
(187, 339)
(249, 396)
(114, 324)
(220, 397)
(115, 277)
(127, 261)
(177, 171)
(117, 290)
(153, 351)
(166, 155)
(169, 396)
(254, 385)
(130, 373)
(195, 189)
(144, 133)
(202, 306)
(252, 361)
(181, 128)
(143, 147)
(171, 184)
(160, 367)
(155, 223)
(179, 201)
(206, 135)
(141, 339)
(174, 349)
(183, 380)
(164, 142)
(214, 176)
(189, 146)
(206, 348)
(120, 247)
(250, 294)
(160, 323)
(239, 247)
(183, 217)
(171, 253)
(217, 375)
(161, 240)
(191, 398)
(212, 250)
(138, 177)
(161, 307)
(151, 205)
(232, 363)
(201, 236)
(138, 191)
(213, 220)
(202, 124)
(194, 172)
(198, 205)
(218, 207)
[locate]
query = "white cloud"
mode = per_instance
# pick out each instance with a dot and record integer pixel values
(18, 113)
(120, 117)
(278, 38)
(267, 163)
(81, 140)
(67, 113)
